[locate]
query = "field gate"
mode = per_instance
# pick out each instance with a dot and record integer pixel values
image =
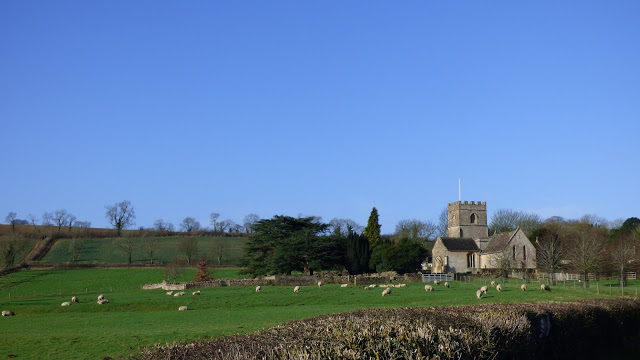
(440, 277)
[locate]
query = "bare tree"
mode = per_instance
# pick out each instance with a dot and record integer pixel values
(71, 220)
(127, 245)
(189, 224)
(57, 218)
(76, 247)
(33, 220)
(443, 222)
(121, 215)
(249, 220)
(189, 247)
(624, 253)
(341, 226)
(586, 251)
(214, 218)
(11, 220)
(224, 225)
(550, 256)
(218, 250)
(508, 220)
(163, 226)
(151, 246)
(173, 270)
(415, 229)
(10, 245)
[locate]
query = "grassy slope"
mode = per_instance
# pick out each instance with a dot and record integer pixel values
(135, 317)
(107, 250)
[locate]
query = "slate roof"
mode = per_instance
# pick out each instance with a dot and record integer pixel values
(498, 242)
(460, 244)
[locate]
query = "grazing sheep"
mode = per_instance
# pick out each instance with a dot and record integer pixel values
(183, 308)
(74, 299)
(196, 293)
(258, 288)
(66, 303)
(484, 289)
(479, 294)
(100, 297)
(403, 285)
(296, 289)
(446, 284)
(545, 287)
(103, 301)
(169, 293)
(344, 285)
(428, 288)
(499, 287)
(436, 282)
(319, 283)
(7, 313)
(372, 286)
(493, 283)
(523, 287)
(386, 291)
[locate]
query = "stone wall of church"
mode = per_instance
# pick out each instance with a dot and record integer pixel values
(468, 219)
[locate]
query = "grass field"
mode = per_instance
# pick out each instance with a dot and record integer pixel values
(42, 329)
(166, 248)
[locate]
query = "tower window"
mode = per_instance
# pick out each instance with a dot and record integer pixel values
(473, 218)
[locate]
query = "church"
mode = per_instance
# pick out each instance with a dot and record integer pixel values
(468, 248)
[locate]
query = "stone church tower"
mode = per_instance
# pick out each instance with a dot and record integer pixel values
(468, 220)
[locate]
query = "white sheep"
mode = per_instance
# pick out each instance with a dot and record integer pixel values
(545, 287)
(484, 289)
(183, 308)
(499, 287)
(446, 284)
(169, 293)
(344, 285)
(372, 286)
(74, 299)
(296, 289)
(7, 313)
(428, 288)
(493, 283)
(386, 291)
(436, 282)
(367, 288)
(100, 297)
(258, 288)
(403, 285)
(479, 294)
(523, 287)
(319, 283)
(66, 303)
(181, 293)
(103, 301)
(196, 292)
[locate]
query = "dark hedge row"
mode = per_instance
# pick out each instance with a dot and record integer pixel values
(591, 328)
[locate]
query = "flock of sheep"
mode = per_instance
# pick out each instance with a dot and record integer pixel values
(523, 287)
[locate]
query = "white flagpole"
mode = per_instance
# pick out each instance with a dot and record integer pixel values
(459, 189)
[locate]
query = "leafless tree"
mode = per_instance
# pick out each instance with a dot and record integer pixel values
(173, 270)
(443, 222)
(151, 246)
(163, 226)
(33, 220)
(214, 220)
(127, 245)
(71, 220)
(587, 250)
(11, 220)
(189, 224)
(415, 229)
(249, 220)
(76, 246)
(341, 226)
(508, 220)
(188, 245)
(10, 245)
(623, 254)
(121, 215)
(57, 218)
(224, 225)
(550, 256)
(218, 250)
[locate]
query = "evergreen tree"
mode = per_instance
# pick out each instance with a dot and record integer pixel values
(372, 231)
(358, 255)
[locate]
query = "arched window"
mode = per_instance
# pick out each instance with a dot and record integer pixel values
(473, 218)
(524, 252)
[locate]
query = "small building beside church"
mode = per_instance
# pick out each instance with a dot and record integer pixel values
(468, 248)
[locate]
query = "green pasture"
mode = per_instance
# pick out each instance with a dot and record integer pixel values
(226, 249)
(42, 329)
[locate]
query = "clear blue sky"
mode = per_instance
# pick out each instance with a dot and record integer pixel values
(323, 108)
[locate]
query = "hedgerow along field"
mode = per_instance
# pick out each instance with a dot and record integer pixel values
(135, 318)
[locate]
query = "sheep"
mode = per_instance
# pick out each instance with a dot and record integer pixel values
(258, 288)
(101, 297)
(372, 286)
(545, 287)
(74, 299)
(386, 291)
(499, 287)
(181, 293)
(367, 288)
(446, 284)
(436, 282)
(523, 287)
(493, 283)
(66, 303)
(103, 301)
(196, 292)
(169, 293)
(479, 294)
(296, 289)
(319, 283)
(484, 289)
(403, 285)
(8, 313)
(344, 285)
(428, 288)
(183, 308)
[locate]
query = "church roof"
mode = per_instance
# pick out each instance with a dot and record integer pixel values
(460, 244)
(498, 242)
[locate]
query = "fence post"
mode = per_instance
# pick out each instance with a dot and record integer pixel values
(609, 289)
(597, 289)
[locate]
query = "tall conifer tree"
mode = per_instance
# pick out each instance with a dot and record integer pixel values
(372, 231)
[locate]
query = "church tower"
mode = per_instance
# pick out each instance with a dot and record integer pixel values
(468, 220)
